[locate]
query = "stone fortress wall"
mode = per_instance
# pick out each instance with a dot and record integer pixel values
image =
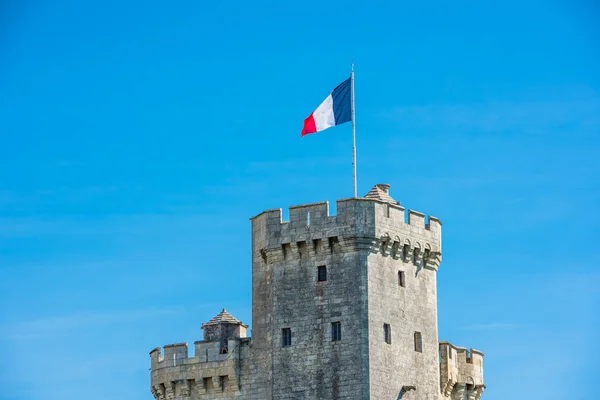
(364, 248)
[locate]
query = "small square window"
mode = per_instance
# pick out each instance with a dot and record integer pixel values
(322, 273)
(387, 333)
(401, 280)
(418, 342)
(336, 331)
(286, 337)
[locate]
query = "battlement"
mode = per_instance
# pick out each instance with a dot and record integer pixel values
(360, 224)
(461, 369)
(173, 355)
(210, 369)
(317, 215)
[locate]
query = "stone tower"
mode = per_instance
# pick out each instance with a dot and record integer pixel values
(343, 307)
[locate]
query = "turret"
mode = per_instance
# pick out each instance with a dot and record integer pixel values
(345, 298)
(218, 364)
(343, 307)
(461, 372)
(222, 328)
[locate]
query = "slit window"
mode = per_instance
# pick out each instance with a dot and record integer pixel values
(401, 279)
(318, 246)
(322, 273)
(387, 333)
(333, 242)
(418, 342)
(286, 337)
(336, 331)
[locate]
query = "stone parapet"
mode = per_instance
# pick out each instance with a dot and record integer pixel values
(360, 224)
(175, 375)
(461, 371)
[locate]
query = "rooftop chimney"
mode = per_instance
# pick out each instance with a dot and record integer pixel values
(381, 192)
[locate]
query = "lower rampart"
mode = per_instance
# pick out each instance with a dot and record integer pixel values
(210, 373)
(461, 372)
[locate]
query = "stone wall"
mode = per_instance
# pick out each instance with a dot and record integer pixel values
(314, 366)
(414, 250)
(461, 372)
(363, 248)
(207, 375)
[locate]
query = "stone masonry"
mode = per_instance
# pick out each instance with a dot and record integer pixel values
(343, 307)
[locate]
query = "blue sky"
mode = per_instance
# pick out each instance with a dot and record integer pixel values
(137, 138)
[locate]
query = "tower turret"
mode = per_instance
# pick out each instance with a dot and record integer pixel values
(216, 369)
(345, 305)
(222, 328)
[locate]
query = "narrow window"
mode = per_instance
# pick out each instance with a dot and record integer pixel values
(418, 342)
(263, 255)
(318, 246)
(224, 349)
(322, 273)
(336, 331)
(387, 333)
(302, 249)
(286, 337)
(401, 281)
(333, 243)
(287, 250)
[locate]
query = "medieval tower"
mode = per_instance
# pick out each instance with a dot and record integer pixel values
(343, 307)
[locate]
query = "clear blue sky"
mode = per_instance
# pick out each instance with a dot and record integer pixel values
(137, 138)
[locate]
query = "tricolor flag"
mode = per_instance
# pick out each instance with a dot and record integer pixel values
(335, 110)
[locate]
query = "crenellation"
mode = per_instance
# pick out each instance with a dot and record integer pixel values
(270, 225)
(434, 225)
(460, 368)
(309, 214)
(397, 213)
(380, 262)
(416, 219)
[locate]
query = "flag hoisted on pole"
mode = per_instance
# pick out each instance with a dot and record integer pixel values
(337, 109)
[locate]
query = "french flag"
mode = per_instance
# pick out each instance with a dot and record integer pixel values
(335, 110)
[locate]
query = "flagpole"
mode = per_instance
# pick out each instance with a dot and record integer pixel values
(353, 128)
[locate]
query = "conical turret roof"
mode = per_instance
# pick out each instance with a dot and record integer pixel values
(223, 318)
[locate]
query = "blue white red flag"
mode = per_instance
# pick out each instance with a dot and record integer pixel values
(335, 110)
